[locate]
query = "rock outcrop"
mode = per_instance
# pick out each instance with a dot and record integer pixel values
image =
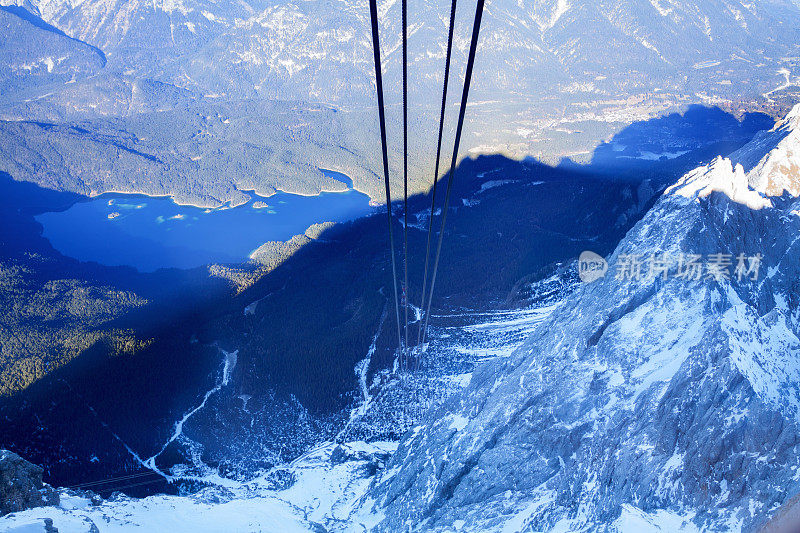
(662, 394)
(21, 485)
(786, 519)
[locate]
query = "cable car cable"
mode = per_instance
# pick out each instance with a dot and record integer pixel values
(476, 28)
(438, 158)
(376, 49)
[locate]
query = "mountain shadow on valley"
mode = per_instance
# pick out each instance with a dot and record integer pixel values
(297, 332)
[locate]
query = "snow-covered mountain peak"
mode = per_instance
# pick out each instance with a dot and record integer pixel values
(670, 394)
(721, 175)
(765, 167)
(778, 172)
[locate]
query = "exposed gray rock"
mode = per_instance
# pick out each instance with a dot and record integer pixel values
(672, 399)
(281, 479)
(341, 454)
(21, 485)
(786, 519)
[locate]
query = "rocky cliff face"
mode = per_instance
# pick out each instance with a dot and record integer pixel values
(664, 393)
(21, 485)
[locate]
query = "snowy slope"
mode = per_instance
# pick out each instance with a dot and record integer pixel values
(665, 401)
(324, 486)
(325, 489)
(35, 55)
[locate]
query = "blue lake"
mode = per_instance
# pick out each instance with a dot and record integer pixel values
(149, 233)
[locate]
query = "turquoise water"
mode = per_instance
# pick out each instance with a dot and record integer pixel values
(149, 233)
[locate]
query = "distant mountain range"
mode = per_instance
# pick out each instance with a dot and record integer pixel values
(200, 99)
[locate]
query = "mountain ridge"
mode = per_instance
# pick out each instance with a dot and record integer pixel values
(231, 60)
(636, 396)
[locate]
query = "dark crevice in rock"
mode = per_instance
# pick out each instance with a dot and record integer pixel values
(445, 492)
(637, 300)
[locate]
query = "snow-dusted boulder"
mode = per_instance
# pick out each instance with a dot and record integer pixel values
(21, 485)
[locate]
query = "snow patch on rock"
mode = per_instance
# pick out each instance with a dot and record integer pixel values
(719, 176)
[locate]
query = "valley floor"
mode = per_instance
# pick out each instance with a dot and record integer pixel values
(328, 494)
(328, 484)
(326, 488)
(322, 492)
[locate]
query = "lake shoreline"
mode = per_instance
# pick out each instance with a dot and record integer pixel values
(230, 203)
(149, 232)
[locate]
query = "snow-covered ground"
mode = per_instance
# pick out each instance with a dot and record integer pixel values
(328, 494)
(321, 491)
(394, 402)
(326, 489)
(324, 492)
